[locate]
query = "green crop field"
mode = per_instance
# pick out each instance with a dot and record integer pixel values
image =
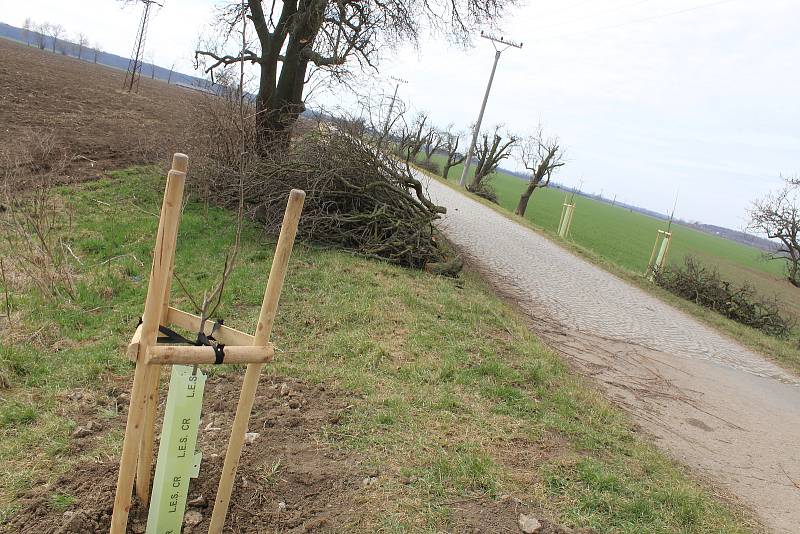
(625, 237)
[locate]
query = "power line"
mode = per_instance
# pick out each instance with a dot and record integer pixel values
(573, 6)
(636, 21)
(592, 15)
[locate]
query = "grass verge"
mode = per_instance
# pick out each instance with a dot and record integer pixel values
(456, 401)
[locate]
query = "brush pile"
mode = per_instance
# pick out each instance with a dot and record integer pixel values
(357, 199)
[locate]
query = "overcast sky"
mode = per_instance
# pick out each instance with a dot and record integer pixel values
(649, 96)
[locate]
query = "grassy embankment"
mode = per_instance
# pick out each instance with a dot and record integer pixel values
(621, 241)
(449, 384)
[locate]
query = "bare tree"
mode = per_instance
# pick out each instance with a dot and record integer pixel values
(27, 27)
(383, 115)
(454, 157)
(96, 51)
(41, 31)
(433, 141)
(776, 216)
(82, 42)
(311, 38)
(413, 138)
(540, 155)
(56, 31)
(490, 154)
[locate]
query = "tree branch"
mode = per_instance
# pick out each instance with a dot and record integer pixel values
(227, 59)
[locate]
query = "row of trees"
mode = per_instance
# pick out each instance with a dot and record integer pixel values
(36, 35)
(539, 153)
(776, 216)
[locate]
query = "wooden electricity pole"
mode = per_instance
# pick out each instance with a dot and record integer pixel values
(505, 45)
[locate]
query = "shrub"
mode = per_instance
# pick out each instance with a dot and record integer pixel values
(704, 286)
(428, 166)
(484, 190)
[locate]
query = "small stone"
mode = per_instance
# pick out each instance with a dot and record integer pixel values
(529, 524)
(251, 437)
(294, 404)
(213, 425)
(282, 506)
(198, 502)
(192, 518)
(284, 389)
(82, 432)
(368, 481)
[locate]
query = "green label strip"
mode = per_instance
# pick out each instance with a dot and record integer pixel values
(661, 252)
(178, 460)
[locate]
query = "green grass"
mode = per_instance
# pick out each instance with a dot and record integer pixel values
(449, 386)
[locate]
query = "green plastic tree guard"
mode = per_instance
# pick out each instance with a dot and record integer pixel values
(178, 461)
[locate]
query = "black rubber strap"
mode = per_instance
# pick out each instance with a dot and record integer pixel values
(208, 340)
(172, 337)
(219, 353)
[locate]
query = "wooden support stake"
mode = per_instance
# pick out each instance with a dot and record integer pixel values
(163, 253)
(180, 163)
(191, 322)
(191, 355)
(133, 346)
(565, 222)
(188, 321)
(658, 257)
(266, 318)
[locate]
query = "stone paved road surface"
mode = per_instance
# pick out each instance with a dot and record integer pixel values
(723, 410)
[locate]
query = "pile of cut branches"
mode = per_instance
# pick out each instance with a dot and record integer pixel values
(357, 199)
(742, 304)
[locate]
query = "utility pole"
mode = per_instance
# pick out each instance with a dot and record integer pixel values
(131, 83)
(391, 104)
(477, 129)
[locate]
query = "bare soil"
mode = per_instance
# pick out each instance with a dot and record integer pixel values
(82, 106)
(288, 481)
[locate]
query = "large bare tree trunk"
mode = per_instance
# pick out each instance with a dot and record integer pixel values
(523, 201)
